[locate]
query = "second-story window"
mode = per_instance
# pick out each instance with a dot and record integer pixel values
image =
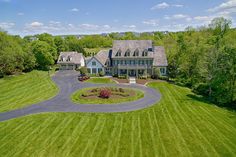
(93, 63)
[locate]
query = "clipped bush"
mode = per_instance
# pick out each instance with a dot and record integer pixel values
(94, 90)
(101, 73)
(105, 93)
(83, 71)
(121, 90)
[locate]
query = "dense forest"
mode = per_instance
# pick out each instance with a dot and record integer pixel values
(203, 59)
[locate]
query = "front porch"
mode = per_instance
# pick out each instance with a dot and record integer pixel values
(133, 70)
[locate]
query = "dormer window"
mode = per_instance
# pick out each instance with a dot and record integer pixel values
(63, 58)
(69, 58)
(127, 53)
(118, 52)
(150, 49)
(136, 52)
(145, 53)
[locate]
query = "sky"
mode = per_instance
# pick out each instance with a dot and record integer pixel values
(60, 17)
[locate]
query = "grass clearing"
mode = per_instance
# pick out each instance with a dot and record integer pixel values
(77, 97)
(100, 80)
(25, 89)
(178, 125)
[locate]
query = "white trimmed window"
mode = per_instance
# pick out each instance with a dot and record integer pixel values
(93, 63)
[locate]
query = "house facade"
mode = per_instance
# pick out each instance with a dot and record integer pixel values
(137, 57)
(126, 57)
(70, 60)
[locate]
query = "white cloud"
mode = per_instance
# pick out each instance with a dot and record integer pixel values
(179, 16)
(162, 5)
(165, 5)
(178, 5)
(151, 22)
(56, 27)
(7, 25)
(74, 9)
(230, 6)
(89, 26)
(202, 18)
(106, 26)
(36, 24)
(129, 26)
(20, 14)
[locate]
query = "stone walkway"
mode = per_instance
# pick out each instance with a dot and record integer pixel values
(68, 83)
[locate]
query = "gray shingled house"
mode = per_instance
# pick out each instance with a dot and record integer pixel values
(70, 60)
(129, 57)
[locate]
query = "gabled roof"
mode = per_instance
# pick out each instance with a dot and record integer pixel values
(102, 56)
(132, 45)
(70, 57)
(159, 56)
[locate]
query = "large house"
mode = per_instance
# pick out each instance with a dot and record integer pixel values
(128, 57)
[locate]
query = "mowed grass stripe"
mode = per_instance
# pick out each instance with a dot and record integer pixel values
(34, 87)
(80, 145)
(219, 113)
(140, 150)
(11, 139)
(169, 136)
(219, 122)
(24, 144)
(58, 140)
(149, 132)
(117, 142)
(213, 125)
(188, 125)
(148, 141)
(182, 146)
(89, 147)
(162, 150)
(94, 142)
(81, 128)
(105, 136)
(115, 131)
(206, 125)
(218, 132)
(28, 146)
(207, 132)
(65, 149)
(55, 125)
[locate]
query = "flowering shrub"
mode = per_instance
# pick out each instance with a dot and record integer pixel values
(105, 93)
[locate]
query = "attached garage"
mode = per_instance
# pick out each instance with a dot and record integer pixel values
(70, 60)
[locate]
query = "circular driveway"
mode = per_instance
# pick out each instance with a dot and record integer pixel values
(68, 83)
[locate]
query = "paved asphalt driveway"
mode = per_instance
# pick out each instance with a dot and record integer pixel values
(68, 83)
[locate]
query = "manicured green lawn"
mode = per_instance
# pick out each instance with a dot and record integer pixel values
(100, 80)
(26, 89)
(178, 126)
(77, 97)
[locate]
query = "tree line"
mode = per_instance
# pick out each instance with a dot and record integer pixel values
(203, 59)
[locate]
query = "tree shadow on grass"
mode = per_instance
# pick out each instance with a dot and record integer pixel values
(230, 107)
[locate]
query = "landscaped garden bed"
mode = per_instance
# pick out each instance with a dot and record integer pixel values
(106, 95)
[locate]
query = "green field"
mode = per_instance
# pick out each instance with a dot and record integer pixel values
(77, 97)
(26, 89)
(179, 125)
(100, 80)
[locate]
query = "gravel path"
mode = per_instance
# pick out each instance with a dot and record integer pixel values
(68, 83)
